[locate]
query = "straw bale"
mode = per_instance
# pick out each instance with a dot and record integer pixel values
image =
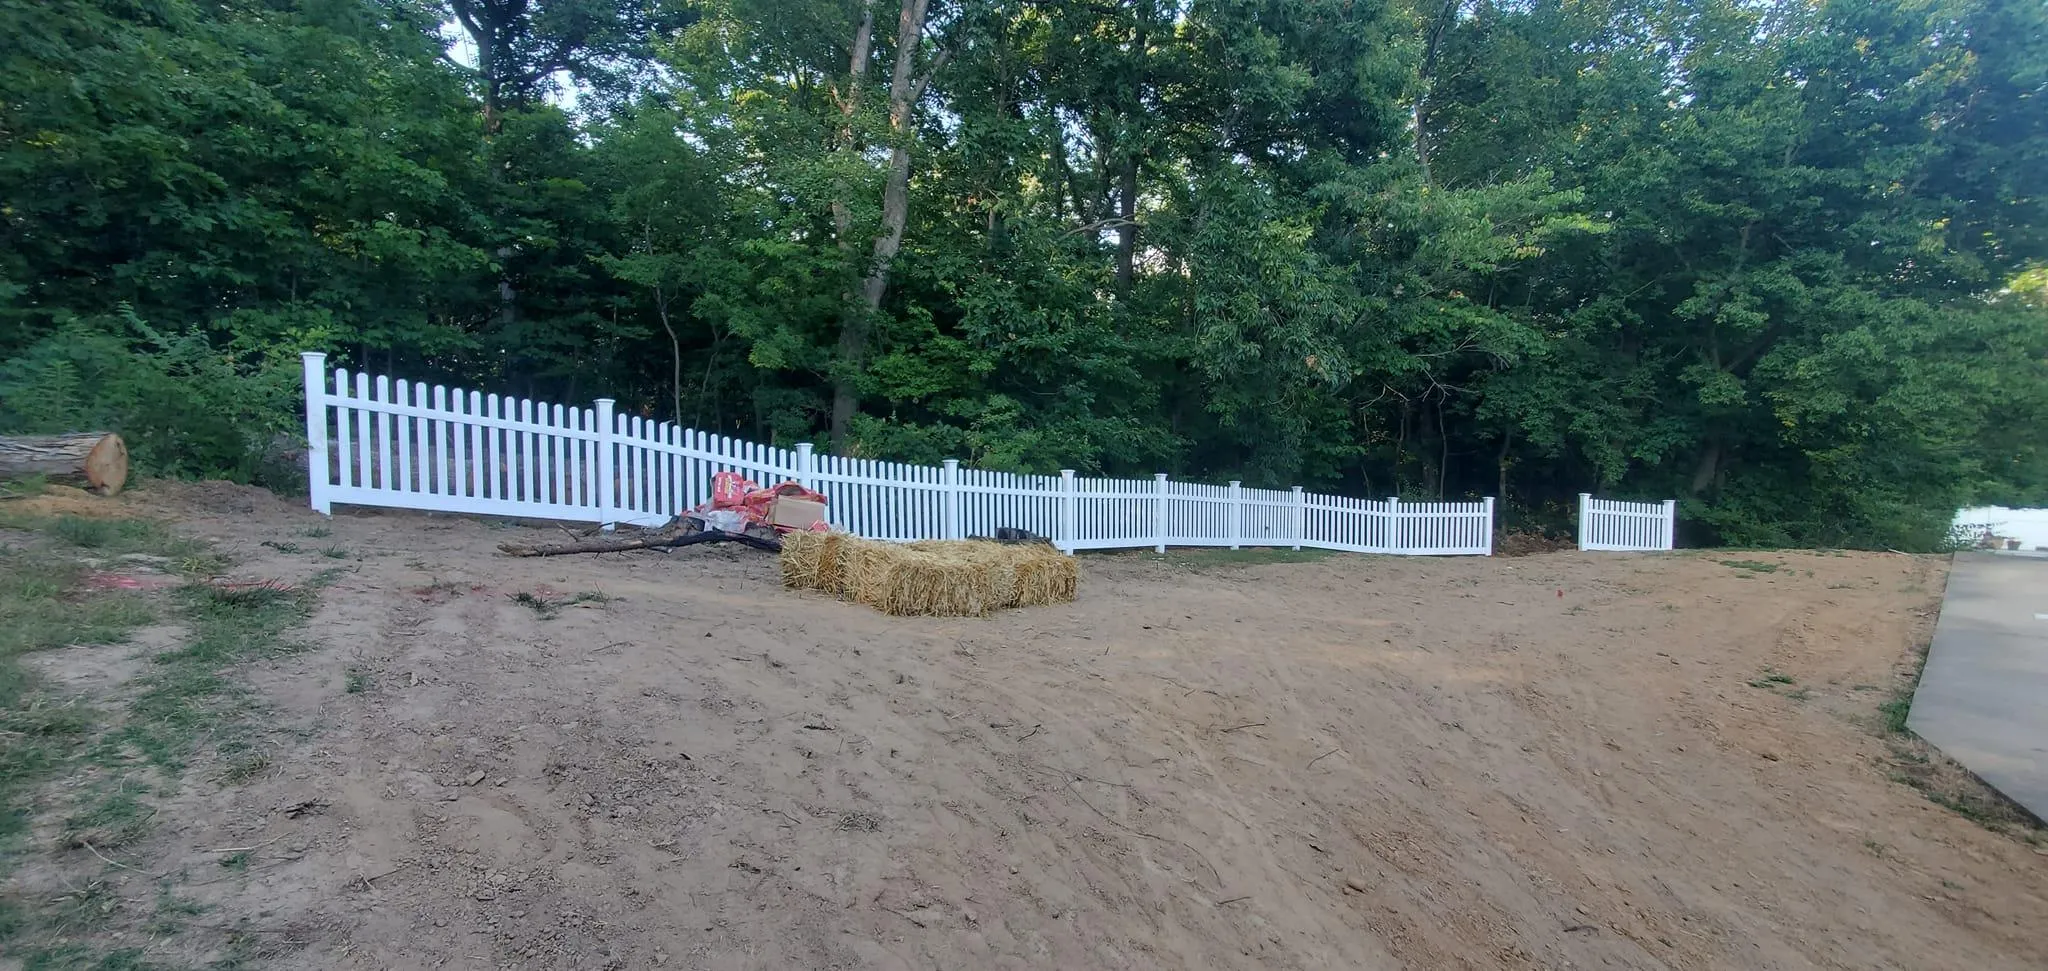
(938, 578)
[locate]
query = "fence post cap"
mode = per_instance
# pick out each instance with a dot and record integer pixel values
(1161, 476)
(1585, 495)
(1234, 483)
(1066, 473)
(949, 463)
(1297, 488)
(803, 448)
(313, 356)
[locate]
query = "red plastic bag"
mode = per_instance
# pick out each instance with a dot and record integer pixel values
(729, 490)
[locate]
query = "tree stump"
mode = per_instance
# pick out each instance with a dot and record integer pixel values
(96, 460)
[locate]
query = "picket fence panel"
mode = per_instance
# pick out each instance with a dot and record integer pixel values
(1607, 524)
(375, 442)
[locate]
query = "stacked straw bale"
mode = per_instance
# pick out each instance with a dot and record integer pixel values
(937, 578)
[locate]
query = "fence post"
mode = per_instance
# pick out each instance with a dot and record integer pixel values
(804, 467)
(1159, 514)
(1300, 518)
(317, 474)
(1393, 524)
(1585, 511)
(1236, 513)
(1670, 524)
(1069, 513)
(1489, 525)
(607, 480)
(952, 524)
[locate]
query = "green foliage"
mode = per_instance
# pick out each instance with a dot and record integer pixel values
(1781, 260)
(185, 407)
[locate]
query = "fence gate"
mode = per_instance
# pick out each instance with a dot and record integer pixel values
(1605, 524)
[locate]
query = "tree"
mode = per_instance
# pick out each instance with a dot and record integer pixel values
(522, 45)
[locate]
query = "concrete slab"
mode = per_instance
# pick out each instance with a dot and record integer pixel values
(1983, 698)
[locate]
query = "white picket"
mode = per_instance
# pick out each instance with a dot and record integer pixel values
(1607, 524)
(403, 444)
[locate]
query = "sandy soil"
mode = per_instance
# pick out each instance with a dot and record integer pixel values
(1553, 761)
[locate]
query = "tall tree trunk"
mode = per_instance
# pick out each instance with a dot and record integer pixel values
(1500, 461)
(853, 326)
(675, 352)
(904, 93)
(1709, 466)
(1127, 178)
(482, 24)
(1127, 227)
(856, 74)
(1432, 50)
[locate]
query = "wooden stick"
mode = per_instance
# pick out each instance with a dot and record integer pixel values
(651, 543)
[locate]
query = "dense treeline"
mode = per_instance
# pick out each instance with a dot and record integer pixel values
(1779, 259)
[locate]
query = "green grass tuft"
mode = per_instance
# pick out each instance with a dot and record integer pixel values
(1752, 566)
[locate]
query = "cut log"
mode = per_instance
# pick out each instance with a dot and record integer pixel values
(656, 542)
(98, 460)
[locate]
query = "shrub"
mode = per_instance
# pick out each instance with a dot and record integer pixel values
(185, 407)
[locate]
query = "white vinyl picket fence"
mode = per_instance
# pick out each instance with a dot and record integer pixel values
(377, 442)
(1605, 524)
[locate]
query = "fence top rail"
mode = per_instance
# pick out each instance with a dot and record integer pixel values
(1621, 504)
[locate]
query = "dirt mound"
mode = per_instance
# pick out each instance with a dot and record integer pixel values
(1361, 762)
(64, 500)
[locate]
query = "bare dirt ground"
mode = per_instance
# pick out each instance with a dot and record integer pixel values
(1565, 760)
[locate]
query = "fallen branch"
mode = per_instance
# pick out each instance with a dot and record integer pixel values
(650, 543)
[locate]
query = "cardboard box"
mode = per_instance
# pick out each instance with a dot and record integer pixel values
(791, 512)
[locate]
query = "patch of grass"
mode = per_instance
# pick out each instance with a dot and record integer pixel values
(1770, 678)
(1897, 709)
(23, 487)
(244, 767)
(549, 607)
(188, 697)
(1752, 566)
(115, 816)
(355, 681)
(1800, 695)
(172, 911)
(111, 537)
(185, 702)
(282, 547)
(42, 608)
(235, 861)
(334, 553)
(316, 532)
